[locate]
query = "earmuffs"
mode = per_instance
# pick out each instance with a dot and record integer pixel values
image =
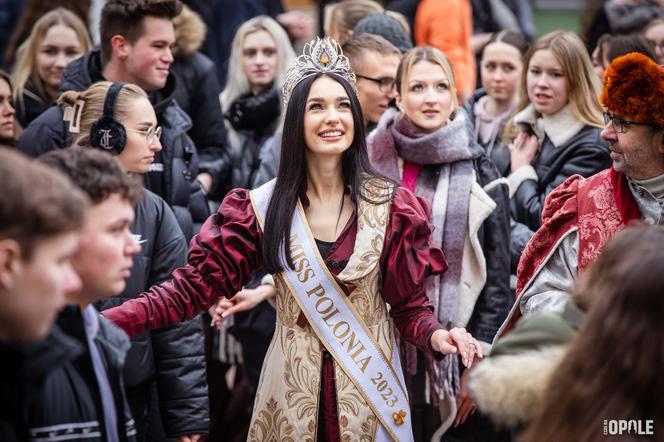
(107, 133)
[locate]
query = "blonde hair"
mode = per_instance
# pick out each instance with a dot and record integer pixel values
(432, 55)
(93, 109)
(237, 83)
(26, 56)
(583, 86)
(342, 17)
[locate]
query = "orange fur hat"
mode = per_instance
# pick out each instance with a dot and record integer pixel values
(634, 88)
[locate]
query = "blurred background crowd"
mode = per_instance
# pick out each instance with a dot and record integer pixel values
(524, 76)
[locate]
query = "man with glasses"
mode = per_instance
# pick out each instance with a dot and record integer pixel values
(582, 214)
(375, 62)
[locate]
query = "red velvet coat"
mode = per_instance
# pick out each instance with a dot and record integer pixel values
(227, 251)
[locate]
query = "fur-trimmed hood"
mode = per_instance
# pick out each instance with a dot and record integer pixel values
(509, 385)
(510, 388)
(190, 32)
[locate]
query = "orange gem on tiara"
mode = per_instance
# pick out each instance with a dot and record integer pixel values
(318, 56)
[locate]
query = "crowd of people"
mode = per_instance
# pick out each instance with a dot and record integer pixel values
(427, 223)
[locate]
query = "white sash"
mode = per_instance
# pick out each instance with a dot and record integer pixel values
(337, 325)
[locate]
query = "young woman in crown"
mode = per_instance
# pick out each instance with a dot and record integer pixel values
(342, 243)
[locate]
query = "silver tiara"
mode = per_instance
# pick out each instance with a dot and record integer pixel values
(318, 56)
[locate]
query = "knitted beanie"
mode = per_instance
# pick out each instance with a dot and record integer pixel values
(387, 27)
(634, 88)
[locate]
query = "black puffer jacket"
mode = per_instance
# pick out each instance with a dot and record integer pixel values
(197, 93)
(495, 300)
(68, 403)
(172, 357)
(251, 120)
(30, 106)
(584, 154)
(22, 374)
(177, 184)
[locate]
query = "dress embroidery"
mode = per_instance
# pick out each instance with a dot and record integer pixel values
(291, 371)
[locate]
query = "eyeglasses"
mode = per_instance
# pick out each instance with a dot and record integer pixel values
(384, 84)
(152, 134)
(619, 124)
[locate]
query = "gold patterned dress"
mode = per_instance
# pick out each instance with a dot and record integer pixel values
(381, 260)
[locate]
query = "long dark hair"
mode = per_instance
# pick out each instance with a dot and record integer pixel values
(613, 367)
(292, 175)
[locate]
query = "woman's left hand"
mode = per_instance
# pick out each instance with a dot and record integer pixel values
(457, 341)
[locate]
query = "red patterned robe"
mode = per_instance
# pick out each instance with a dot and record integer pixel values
(599, 207)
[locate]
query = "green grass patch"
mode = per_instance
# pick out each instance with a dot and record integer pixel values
(547, 21)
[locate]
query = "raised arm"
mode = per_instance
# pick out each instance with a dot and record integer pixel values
(221, 260)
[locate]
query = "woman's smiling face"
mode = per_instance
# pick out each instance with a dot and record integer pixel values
(328, 118)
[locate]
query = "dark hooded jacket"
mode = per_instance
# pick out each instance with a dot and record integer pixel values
(177, 184)
(31, 105)
(584, 154)
(22, 374)
(50, 388)
(197, 93)
(174, 358)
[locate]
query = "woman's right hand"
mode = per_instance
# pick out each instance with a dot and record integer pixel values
(457, 341)
(523, 150)
(218, 309)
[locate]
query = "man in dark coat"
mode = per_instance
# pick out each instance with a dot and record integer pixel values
(165, 372)
(197, 93)
(84, 396)
(136, 37)
(37, 241)
(169, 361)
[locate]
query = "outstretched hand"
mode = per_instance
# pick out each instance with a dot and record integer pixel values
(244, 300)
(457, 341)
